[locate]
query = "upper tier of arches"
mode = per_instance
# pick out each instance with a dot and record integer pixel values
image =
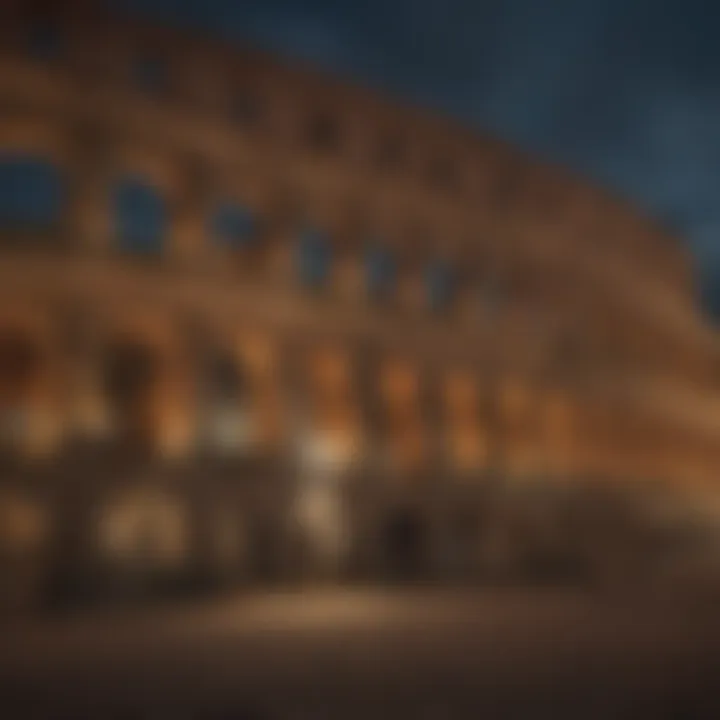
(462, 189)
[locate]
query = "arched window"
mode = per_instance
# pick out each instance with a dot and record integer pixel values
(314, 258)
(233, 225)
(440, 285)
(379, 271)
(30, 193)
(140, 214)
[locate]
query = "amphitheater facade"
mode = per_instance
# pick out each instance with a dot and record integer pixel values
(252, 315)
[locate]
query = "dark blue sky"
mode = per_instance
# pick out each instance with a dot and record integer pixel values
(625, 91)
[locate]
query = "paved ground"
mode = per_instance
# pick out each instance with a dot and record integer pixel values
(374, 654)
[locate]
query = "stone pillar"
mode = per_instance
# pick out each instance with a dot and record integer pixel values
(88, 412)
(176, 409)
(190, 215)
(260, 360)
(328, 446)
(432, 418)
(466, 443)
(45, 405)
(348, 272)
(406, 439)
(411, 283)
(516, 410)
(283, 228)
(557, 428)
(90, 219)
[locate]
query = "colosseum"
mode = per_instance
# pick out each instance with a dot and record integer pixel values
(259, 324)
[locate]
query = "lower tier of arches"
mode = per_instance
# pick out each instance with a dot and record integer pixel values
(104, 527)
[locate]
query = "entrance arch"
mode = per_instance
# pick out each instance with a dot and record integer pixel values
(131, 373)
(22, 365)
(228, 403)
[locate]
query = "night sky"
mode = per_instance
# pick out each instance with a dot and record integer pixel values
(624, 91)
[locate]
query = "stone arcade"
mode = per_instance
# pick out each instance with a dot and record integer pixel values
(256, 323)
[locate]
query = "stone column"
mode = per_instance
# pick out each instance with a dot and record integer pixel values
(411, 281)
(190, 214)
(88, 412)
(91, 217)
(466, 442)
(176, 405)
(283, 226)
(327, 442)
(436, 431)
(556, 432)
(45, 405)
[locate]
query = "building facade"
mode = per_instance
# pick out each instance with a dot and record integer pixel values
(255, 320)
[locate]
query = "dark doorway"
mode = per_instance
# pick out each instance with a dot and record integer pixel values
(20, 363)
(225, 383)
(130, 374)
(406, 545)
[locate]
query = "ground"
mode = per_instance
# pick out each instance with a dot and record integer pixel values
(374, 654)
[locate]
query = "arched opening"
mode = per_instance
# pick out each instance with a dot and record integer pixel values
(131, 372)
(30, 193)
(228, 407)
(380, 268)
(233, 226)
(440, 285)
(140, 215)
(403, 419)
(142, 539)
(21, 364)
(405, 544)
(314, 259)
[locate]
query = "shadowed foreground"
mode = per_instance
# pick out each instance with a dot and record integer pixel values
(505, 653)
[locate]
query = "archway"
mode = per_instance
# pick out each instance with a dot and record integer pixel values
(141, 217)
(131, 373)
(141, 540)
(21, 365)
(228, 404)
(30, 192)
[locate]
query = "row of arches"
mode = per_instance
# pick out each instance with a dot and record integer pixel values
(321, 131)
(33, 195)
(152, 388)
(237, 395)
(537, 189)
